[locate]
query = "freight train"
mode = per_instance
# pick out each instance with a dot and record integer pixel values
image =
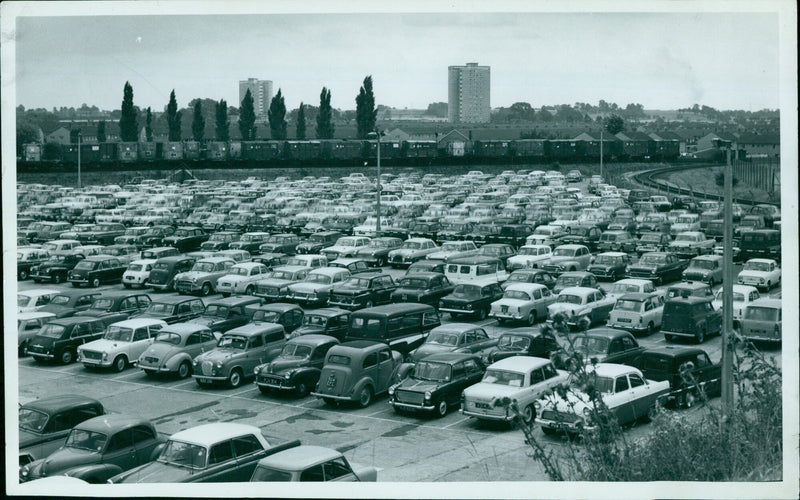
(276, 153)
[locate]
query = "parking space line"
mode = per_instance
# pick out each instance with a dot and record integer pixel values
(456, 422)
(128, 375)
(245, 391)
(188, 382)
(307, 402)
(379, 412)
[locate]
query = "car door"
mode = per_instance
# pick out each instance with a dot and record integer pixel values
(642, 396)
(619, 402)
(338, 470)
(385, 370)
(120, 450)
(222, 467)
(247, 451)
(194, 344)
(141, 339)
(385, 288)
(603, 306)
(145, 441)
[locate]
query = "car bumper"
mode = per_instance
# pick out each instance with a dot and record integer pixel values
(275, 384)
(567, 426)
(186, 287)
(630, 327)
(487, 416)
(94, 362)
(453, 310)
(159, 286)
(352, 306)
(78, 280)
(412, 407)
(332, 396)
(502, 315)
(155, 369)
(41, 355)
(209, 378)
(41, 277)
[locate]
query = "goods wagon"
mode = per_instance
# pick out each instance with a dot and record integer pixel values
(173, 151)
(191, 150)
(147, 150)
(635, 149)
(664, 149)
(261, 150)
(129, 151)
(345, 150)
(217, 150)
(490, 149)
(419, 149)
(611, 148)
(301, 150)
(235, 150)
(90, 153)
(565, 149)
(32, 152)
(527, 148)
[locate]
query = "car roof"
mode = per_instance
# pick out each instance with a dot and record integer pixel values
(34, 315)
(275, 306)
(144, 261)
(673, 350)
(328, 271)
(174, 258)
(235, 301)
(184, 328)
(520, 363)
(346, 260)
(247, 265)
(210, 434)
(576, 273)
(328, 312)
(216, 260)
(455, 327)
(252, 329)
(313, 339)
(768, 302)
(173, 299)
(708, 257)
(612, 370)
(111, 422)
(475, 259)
(638, 296)
(73, 320)
(139, 322)
(37, 292)
(578, 290)
(63, 401)
(613, 254)
(610, 333)
(356, 346)
(525, 287)
(399, 307)
(114, 294)
(762, 261)
(299, 458)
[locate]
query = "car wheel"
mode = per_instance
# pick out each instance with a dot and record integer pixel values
(441, 408)
(532, 318)
(120, 363)
(235, 378)
(67, 357)
(658, 281)
(184, 369)
(381, 262)
(688, 399)
(23, 349)
(206, 290)
(249, 290)
(126, 285)
(23, 275)
(669, 338)
(365, 396)
(650, 328)
(95, 282)
(528, 414)
(769, 285)
(57, 278)
(302, 389)
(612, 276)
(701, 336)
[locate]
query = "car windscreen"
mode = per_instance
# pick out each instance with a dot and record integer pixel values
(52, 331)
(86, 440)
(183, 455)
(169, 338)
(591, 345)
(759, 313)
(264, 474)
(435, 372)
(501, 377)
(32, 420)
(417, 283)
(203, 267)
(295, 351)
(232, 342)
(628, 305)
(85, 265)
(267, 316)
(516, 294)
(569, 299)
(337, 359)
(103, 304)
(467, 291)
(442, 338)
(513, 343)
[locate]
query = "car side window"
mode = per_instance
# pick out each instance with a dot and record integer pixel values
(143, 301)
(140, 334)
(197, 306)
(627, 343)
(590, 298)
(621, 385)
(648, 306)
(142, 434)
(537, 294)
(193, 339)
(184, 308)
(371, 360)
(84, 301)
(245, 445)
(636, 380)
(43, 300)
(335, 469)
(411, 321)
(537, 376)
(384, 356)
(430, 318)
(615, 346)
(221, 452)
(549, 371)
(480, 335)
(274, 336)
(207, 337)
(120, 441)
(256, 341)
(702, 360)
(395, 324)
(471, 366)
(129, 303)
(313, 474)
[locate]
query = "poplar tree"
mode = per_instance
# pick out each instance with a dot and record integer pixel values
(173, 118)
(148, 128)
(366, 113)
(198, 122)
(223, 124)
(128, 128)
(301, 123)
(101, 131)
(276, 114)
(247, 118)
(325, 127)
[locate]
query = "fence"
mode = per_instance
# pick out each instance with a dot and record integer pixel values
(762, 173)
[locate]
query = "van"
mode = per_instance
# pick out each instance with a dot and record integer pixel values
(762, 320)
(404, 326)
(692, 317)
(764, 243)
(478, 267)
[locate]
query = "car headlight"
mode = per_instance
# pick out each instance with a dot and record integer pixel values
(761, 281)
(257, 369)
(587, 412)
(219, 365)
(105, 356)
(428, 395)
(537, 405)
(288, 375)
(469, 307)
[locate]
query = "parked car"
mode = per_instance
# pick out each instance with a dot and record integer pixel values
(688, 370)
(761, 243)
(317, 241)
(500, 251)
(122, 343)
(311, 463)
(539, 276)
(330, 321)
(616, 241)
(524, 341)
(219, 240)
(424, 288)
(523, 302)
(619, 389)
(316, 287)
(354, 266)
(124, 252)
(36, 299)
(653, 242)
(511, 234)
(610, 265)
(29, 259)
(568, 258)
(223, 452)
(692, 317)
(204, 276)
(290, 316)
(124, 302)
(705, 268)
(478, 267)
(242, 279)
(575, 278)
(587, 235)
(530, 256)
(237, 255)
(600, 345)
(412, 250)
(186, 238)
(67, 303)
(280, 243)
(55, 268)
(691, 243)
(522, 379)
(237, 354)
(357, 371)
(743, 295)
(436, 383)
(159, 253)
(59, 339)
(45, 423)
(61, 247)
(249, 242)
(637, 313)
(426, 266)
(471, 299)
(453, 337)
(760, 273)
(28, 326)
(762, 320)
(453, 249)
(225, 314)
(297, 368)
(153, 237)
(402, 326)
(99, 448)
(377, 253)
(630, 285)
(272, 260)
(173, 309)
(96, 270)
(581, 304)
(138, 273)
(659, 267)
(362, 291)
(174, 349)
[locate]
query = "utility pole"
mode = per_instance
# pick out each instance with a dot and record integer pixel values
(380, 188)
(79, 160)
(601, 151)
(727, 290)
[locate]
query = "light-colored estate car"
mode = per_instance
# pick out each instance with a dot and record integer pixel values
(530, 256)
(317, 285)
(122, 344)
(523, 302)
(623, 389)
(630, 285)
(275, 285)
(569, 258)
(35, 299)
(412, 250)
(637, 312)
(760, 273)
(346, 246)
(689, 243)
(138, 273)
(454, 249)
(743, 295)
(311, 463)
(242, 279)
(521, 379)
(581, 304)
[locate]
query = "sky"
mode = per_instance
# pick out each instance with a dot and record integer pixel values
(662, 60)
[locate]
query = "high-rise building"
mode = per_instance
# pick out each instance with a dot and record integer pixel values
(468, 94)
(261, 90)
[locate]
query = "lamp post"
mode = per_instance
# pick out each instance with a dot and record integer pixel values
(79, 160)
(727, 285)
(378, 188)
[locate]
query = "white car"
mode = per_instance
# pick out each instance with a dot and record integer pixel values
(523, 302)
(630, 285)
(743, 296)
(530, 256)
(138, 273)
(33, 300)
(121, 345)
(760, 273)
(454, 249)
(242, 279)
(637, 313)
(581, 304)
(346, 246)
(522, 379)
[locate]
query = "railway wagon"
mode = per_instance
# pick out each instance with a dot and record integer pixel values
(261, 150)
(389, 149)
(172, 151)
(345, 150)
(217, 150)
(147, 151)
(565, 149)
(32, 152)
(90, 153)
(235, 150)
(665, 149)
(527, 148)
(301, 150)
(635, 149)
(419, 149)
(611, 148)
(490, 149)
(191, 150)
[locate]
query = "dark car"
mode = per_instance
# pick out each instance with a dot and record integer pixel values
(362, 291)
(159, 253)
(429, 230)
(220, 240)
(280, 243)
(250, 242)
(96, 270)
(511, 234)
(297, 367)
(330, 321)
(99, 448)
(377, 253)
(652, 242)
(402, 326)
(616, 241)
(29, 259)
(689, 371)
(67, 303)
(174, 309)
(186, 238)
(103, 234)
(471, 299)
(610, 265)
(164, 270)
(272, 260)
(692, 316)
(659, 267)
(502, 251)
(575, 278)
(45, 423)
(530, 276)
(436, 383)
(317, 241)
(55, 268)
(600, 345)
(290, 316)
(582, 234)
(482, 234)
(154, 236)
(424, 288)
(125, 302)
(454, 337)
(524, 341)
(59, 339)
(452, 231)
(426, 266)
(222, 315)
